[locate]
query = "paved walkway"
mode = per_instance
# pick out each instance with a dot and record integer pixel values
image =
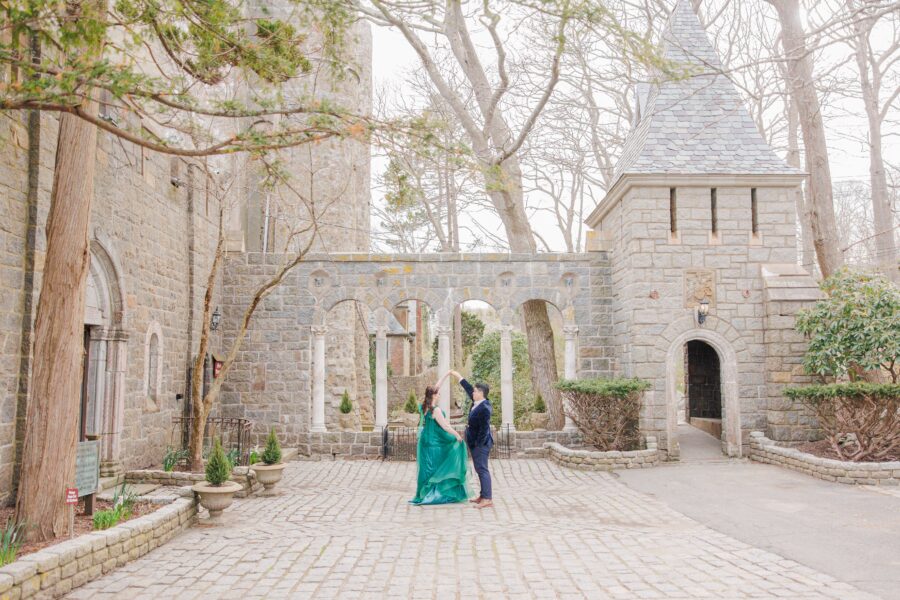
(344, 530)
(849, 532)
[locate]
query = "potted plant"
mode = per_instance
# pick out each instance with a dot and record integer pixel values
(269, 471)
(411, 410)
(540, 418)
(217, 492)
(346, 419)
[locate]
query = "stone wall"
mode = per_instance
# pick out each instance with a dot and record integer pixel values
(271, 379)
(55, 571)
(788, 289)
(659, 277)
(762, 449)
(142, 229)
(590, 460)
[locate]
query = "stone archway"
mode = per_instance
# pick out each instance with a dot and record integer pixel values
(103, 390)
(728, 372)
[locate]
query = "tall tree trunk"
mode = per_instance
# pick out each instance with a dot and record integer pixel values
(51, 421)
(820, 202)
(807, 251)
(508, 199)
(870, 84)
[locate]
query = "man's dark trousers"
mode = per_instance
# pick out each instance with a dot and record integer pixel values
(480, 455)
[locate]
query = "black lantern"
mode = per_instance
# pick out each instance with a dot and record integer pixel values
(216, 317)
(702, 311)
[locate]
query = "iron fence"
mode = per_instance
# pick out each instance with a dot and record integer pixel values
(399, 443)
(234, 433)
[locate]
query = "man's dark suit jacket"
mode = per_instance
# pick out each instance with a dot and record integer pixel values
(478, 433)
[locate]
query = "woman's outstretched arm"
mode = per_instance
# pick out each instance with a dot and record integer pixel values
(445, 425)
(440, 381)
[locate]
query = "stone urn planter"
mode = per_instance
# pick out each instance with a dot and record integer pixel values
(216, 498)
(409, 419)
(540, 420)
(347, 422)
(268, 475)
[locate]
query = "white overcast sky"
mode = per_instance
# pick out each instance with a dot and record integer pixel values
(392, 56)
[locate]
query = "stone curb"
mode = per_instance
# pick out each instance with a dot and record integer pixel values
(588, 460)
(764, 450)
(55, 571)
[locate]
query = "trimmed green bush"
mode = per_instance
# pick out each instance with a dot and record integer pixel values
(539, 405)
(412, 403)
(606, 411)
(218, 467)
(346, 406)
(855, 329)
(272, 454)
(860, 420)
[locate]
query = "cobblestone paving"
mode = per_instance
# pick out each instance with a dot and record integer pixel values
(344, 530)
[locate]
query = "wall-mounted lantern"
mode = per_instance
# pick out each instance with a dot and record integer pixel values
(216, 318)
(702, 311)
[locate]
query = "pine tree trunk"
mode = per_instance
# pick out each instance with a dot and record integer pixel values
(820, 202)
(51, 421)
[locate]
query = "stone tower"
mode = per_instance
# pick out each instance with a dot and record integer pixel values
(701, 214)
(327, 182)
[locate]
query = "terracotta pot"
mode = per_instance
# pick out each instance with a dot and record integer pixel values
(540, 420)
(215, 499)
(268, 475)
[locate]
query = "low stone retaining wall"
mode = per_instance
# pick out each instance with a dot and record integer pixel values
(591, 460)
(534, 443)
(55, 571)
(341, 444)
(762, 449)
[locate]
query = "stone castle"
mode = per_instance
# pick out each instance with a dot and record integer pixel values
(690, 281)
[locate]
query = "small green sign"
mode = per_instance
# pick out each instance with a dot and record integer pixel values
(87, 467)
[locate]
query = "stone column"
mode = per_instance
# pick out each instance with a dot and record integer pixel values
(443, 333)
(381, 390)
(570, 372)
(506, 378)
(318, 397)
(114, 405)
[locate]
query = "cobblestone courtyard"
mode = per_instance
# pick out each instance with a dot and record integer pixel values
(344, 530)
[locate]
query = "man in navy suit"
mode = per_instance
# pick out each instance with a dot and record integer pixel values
(478, 436)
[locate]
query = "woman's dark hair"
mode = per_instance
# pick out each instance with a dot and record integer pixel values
(428, 402)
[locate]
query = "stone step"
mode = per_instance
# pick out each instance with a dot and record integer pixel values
(138, 489)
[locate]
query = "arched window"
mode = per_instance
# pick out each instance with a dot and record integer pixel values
(153, 368)
(153, 353)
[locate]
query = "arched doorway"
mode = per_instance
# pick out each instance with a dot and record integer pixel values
(103, 379)
(703, 387)
(710, 374)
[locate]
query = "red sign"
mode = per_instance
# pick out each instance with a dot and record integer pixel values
(71, 495)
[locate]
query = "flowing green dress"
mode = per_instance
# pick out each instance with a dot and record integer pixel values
(443, 468)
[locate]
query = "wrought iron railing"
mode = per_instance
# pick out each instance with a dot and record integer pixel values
(234, 433)
(399, 443)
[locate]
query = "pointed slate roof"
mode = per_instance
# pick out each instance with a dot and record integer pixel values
(699, 124)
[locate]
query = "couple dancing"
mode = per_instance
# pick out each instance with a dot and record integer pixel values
(441, 457)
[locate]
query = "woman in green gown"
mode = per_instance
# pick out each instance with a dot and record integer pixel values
(441, 457)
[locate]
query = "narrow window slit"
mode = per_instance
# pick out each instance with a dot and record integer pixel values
(672, 223)
(754, 213)
(712, 210)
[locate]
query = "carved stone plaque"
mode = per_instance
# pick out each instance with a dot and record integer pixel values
(699, 284)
